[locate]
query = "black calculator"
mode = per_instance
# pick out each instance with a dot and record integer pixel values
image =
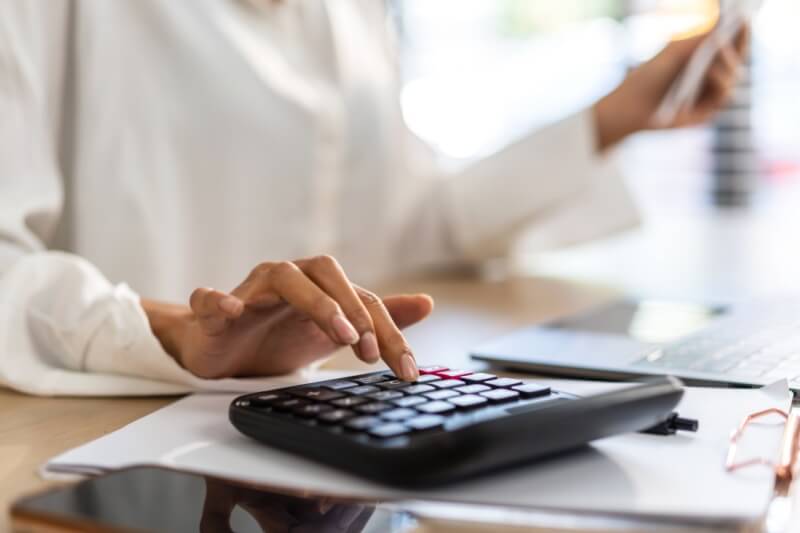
(448, 425)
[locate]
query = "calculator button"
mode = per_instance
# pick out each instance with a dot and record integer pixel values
(266, 400)
(396, 415)
(335, 416)
(316, 393)
(500, 395)
(478, 377)
(388, 430)
(468, 400)
(408, 401)
(373, 408)
(441, 394)
(503, 382)
(453, 373)
(435, 407)
(288, 405)
(427, 378)
(364, 389)
(370, 380)
(361, 423)
(425, 422)
(394, 384)
(417, 389)
(311, 410)
(350, 401)
(432, 369)
(386, 395)
(473, 389)
(341, 384)
(447, 383)
(532, 390)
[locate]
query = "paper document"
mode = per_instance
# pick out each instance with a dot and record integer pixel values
(635, 474)
(685, 91)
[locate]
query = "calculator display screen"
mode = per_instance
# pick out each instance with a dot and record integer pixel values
(158, 499)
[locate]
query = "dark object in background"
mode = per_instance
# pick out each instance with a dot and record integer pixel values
(735, 159)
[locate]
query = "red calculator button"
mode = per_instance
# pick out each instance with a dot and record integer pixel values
(453, 373)
(432, 369)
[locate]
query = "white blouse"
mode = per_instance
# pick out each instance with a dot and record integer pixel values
(149, 148)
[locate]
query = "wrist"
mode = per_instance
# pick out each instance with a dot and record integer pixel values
(617, 116)
(168, 322)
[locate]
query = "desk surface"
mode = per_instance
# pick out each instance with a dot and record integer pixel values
(34, 429)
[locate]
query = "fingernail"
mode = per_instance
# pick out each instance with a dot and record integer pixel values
(344, 329)
(408, 367)
(369, 347)
(230, 304)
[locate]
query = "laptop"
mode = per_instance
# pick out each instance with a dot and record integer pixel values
(750, 345)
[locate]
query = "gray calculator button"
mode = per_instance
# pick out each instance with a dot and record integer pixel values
(532, 390)
(386, 395)
(468, 400)
(397, 415)
(473, 389)
(335, 416)
(341, 384)
(441, 394)
(408, 401)
(364, 389)
(361, 423)
(500, 395)
(388, 430)
(478, 377)
(350, 401)
(503, 382)
(447, 383)
(425, 422)
(394, 384)
(373, 408)
(370, 380)
(435, 407)
(417, 389)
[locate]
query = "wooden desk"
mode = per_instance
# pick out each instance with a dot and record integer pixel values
(32, 430)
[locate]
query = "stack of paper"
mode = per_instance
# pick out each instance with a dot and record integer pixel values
(647, 475)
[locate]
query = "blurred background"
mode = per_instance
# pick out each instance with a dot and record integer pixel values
(719, 202)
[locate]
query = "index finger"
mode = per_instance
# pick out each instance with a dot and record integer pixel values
(395, 351)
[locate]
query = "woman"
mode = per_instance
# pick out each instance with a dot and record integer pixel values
(164, 147)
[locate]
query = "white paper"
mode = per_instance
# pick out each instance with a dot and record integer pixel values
(681, 475)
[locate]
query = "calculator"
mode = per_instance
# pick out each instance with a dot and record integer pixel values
(448, 425)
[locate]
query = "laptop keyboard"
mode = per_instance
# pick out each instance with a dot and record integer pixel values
(380, 406)
(749, 348)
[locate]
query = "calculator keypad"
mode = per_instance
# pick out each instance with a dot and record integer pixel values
(381, 407)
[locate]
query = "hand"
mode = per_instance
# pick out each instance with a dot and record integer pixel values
(632, 105)
(282, 317)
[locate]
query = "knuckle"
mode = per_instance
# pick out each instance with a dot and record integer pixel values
(369, 298)
(198, 296)
(323, 263)
(281, 269)
(261, 269)
(325, 259)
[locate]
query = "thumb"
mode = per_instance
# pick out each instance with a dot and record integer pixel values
(408, 309)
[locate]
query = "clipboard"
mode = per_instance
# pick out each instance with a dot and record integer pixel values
(784, 508)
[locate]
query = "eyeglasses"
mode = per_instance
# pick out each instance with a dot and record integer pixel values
(786, 465)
